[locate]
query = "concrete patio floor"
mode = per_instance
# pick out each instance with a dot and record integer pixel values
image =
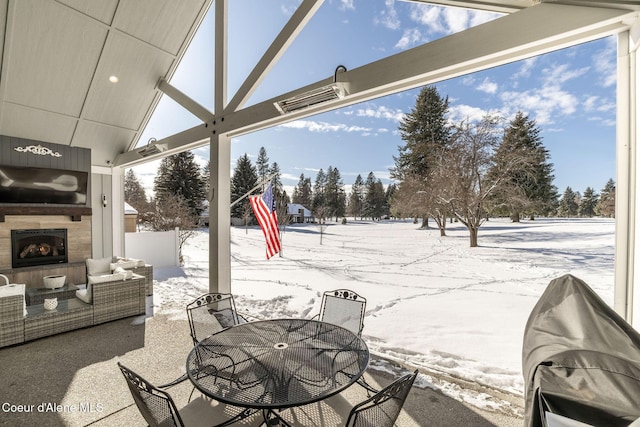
(72, 379)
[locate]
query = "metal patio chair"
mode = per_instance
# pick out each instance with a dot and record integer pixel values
(379, 410)
(158, 408)
(345, 308)
(382, 409)
(211, 313)
(207, 314)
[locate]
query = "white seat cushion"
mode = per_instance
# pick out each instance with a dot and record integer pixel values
(102, 278)
(127, 263)
(84, 295)
(14, 289)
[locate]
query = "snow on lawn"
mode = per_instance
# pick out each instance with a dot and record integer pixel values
(432, 302)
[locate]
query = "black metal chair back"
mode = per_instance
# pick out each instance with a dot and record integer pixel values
(211, 313)
(156, 406)
(383, 408)
(345, 308)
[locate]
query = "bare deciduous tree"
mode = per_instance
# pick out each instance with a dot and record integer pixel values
(462, 172)
(171, 213)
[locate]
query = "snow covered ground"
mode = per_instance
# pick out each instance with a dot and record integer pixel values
(432, 302)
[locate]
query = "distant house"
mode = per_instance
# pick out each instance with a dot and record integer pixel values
(130, 218)
(298, 213)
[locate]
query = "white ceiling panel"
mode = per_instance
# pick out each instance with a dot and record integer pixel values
(57, 57)
(138, 67)
(165, 20)
(24, 122)
(102, 10)
(52, 56)
(113, 138)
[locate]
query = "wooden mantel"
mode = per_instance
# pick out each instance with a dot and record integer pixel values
(75, 212)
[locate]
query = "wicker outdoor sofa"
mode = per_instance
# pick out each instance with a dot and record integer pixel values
(107, 297)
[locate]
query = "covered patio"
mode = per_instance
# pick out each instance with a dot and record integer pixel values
(82, 388)
(103, 98)
(89, 75)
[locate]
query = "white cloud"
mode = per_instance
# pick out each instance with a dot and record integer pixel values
(388, 17)
(468, 80)
(347, 4)
(542, 104)
(314, 126)
(448, 20)
(604, 62)
(525, 68)
(460, 112)
(487, 86)
(411, 37)
(381, 112)
(557, 74)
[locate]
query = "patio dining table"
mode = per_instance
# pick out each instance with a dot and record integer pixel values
(276, 364)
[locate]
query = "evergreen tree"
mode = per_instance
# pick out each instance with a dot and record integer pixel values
(302, 193)
(356, 198)
(607, 203)
(529, 188)
(179, 176)
(388, 198)
(134, 193)
(262, 166)
(276, 182)
(588, 203)
(568, 206)
(243, 180)
(318, 202)
(206, 177)
(374, 197)
(426, 132)
(334, 193)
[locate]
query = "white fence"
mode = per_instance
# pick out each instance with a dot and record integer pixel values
(158, 248)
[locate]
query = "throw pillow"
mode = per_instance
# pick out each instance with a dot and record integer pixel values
(98, 266)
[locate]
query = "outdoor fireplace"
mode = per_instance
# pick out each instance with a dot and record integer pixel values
(38, 247)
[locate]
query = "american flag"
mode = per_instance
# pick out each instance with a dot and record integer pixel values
(264, 207)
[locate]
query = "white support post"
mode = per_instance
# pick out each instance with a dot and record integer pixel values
(220, 215)
(633, 90)
(627, 216)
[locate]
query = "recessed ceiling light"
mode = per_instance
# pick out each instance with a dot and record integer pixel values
(113, 79)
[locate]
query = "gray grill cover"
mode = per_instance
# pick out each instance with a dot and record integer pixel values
(579, 358)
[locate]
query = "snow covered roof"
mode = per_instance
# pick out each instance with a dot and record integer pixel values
(129, 210)
(294, 209)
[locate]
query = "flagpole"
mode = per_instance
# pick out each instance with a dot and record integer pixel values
(253, 189)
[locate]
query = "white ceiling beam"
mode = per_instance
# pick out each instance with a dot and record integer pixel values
(533, 31)
(185, 101)
(489, 6)
(289, 32)
(220, 64)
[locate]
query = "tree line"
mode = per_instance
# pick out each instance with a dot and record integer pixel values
(467, 171)
(472, 170)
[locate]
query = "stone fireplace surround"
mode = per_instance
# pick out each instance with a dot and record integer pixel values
(78, 248)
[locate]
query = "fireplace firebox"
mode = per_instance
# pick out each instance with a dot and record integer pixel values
(38, 247)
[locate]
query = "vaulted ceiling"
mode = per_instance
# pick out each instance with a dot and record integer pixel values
(58, 56)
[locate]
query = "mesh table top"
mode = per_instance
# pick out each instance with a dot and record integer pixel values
(279, 363)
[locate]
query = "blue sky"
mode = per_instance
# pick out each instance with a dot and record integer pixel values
(570, 93)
